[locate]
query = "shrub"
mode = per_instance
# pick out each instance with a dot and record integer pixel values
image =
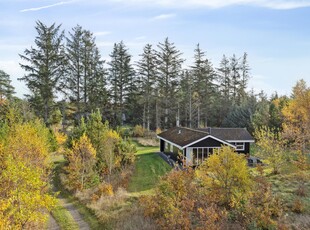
(226, 177)
(138, 131)
(158, 130)
(298, 206)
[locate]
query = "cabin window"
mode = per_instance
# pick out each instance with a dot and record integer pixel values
(201, 154)
(239, 146)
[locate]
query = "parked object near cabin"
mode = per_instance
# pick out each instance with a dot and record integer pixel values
(195, 145)
(254, 161)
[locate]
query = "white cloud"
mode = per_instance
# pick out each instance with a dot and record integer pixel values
(45, 7)
(163, 16)
(273, 4)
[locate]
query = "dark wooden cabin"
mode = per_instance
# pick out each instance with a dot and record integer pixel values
(195, 145)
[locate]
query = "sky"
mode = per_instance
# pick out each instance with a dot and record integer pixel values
(274, 33)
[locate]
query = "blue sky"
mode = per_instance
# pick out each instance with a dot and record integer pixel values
(274, 33)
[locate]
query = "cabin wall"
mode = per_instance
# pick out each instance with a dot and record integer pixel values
(246, 148)
(162, 145)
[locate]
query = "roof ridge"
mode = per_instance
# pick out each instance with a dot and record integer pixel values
(195, 130)
(225, 128)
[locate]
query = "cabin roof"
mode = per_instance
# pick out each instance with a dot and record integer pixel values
(230, 134)
(183, 137)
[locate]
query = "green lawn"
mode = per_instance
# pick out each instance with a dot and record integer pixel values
(148, 169)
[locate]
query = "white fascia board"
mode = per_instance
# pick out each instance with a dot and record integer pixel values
(209, 136)
(250, 141)
(178, 146)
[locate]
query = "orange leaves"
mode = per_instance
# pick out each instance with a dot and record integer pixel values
(180, 202)
(297, 117)
(82, 160)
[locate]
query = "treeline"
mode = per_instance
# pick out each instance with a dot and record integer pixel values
(156, 91)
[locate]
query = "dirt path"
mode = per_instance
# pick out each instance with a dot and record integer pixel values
(52, 224)
(75, 214)
(77, 217)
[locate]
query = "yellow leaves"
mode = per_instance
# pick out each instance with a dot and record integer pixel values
(84, 148)
(24, 172)
(29, 142)
(82, 159)
(271, 147)
(227, 177)
(24, 194)
(61, 138)
(297, 116)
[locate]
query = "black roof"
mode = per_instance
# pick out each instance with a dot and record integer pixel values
(183, 136)
(230, 134)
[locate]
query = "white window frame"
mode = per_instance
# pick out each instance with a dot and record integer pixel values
(204, 151)
(240, 146)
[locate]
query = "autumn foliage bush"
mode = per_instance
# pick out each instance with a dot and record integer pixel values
(138, 131)
(179, 203)
(24, 172)
(81, 165)
(219, 194)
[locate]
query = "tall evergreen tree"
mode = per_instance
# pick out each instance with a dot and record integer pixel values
(203, 77)
(120, 78)
(245, 76)
(75, 66)
(169, 71)
(235, 78)
(223, 76)
(187, 104)
(224, 82)
(6, 89)
(86, 75)
(147, 72)
(45, 68)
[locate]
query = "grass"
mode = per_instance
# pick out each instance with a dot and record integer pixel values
(123, 211)
(64, 218)
(148, 170)
(119, 211)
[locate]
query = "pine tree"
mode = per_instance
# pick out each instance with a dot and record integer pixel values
(224, 81)
(45, 68)
(147, 72)
(203, 76)
(121, 81)
(223, 76)
(86, 76)
(169, 71)
(6, 89)
(75, 66)
(235, 78)
(186, 97)
(245, 75)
